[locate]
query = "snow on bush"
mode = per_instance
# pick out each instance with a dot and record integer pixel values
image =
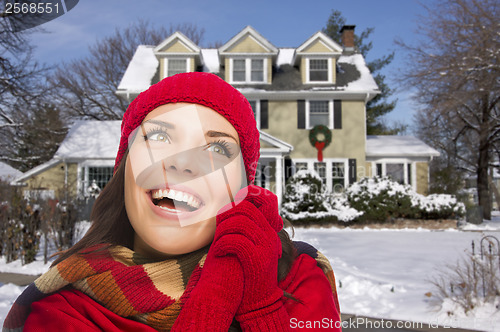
(374, 199)
(380, 198)
(306, 201)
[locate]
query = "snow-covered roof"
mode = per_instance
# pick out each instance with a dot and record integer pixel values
(210, 58)
(398, 146)
(140, 70)
(8, 172)
(285, 56)
(365, 82)
(90, 140)
(353, 75)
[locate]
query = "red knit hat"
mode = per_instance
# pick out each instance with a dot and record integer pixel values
(204, 89)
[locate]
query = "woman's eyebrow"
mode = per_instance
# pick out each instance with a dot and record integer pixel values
(214, 133)
(167, 125)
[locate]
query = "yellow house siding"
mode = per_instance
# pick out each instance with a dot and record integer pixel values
(367, 171)
(269, 70)
(247, 45)
(348, 142)
(191, 64)
(422, 178)
(162, 68)
(176, 47)
(317, 47)
(227, 69)
(333, 69)
(303, 69)
(53, 179)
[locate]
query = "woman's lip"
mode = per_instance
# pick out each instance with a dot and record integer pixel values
(180, 188)
(177, 217)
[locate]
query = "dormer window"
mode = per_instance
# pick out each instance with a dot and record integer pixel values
(248, 70)
(176, 66)
(318, 71)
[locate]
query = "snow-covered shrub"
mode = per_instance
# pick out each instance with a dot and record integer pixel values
(306, 201)
(381, 199)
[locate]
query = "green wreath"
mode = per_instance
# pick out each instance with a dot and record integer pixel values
(320, 130)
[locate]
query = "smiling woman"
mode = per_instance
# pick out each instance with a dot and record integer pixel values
(180, 238)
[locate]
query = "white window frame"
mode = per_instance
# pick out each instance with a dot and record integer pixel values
(165, 65)
(257, 111)
(408, 178)
(330, 113)
(83, 181)
(248, 70)
(329, 162)
(330, 76)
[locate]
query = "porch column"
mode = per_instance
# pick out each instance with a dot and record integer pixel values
(279, 179)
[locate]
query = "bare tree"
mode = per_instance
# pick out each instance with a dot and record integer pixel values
(455, 70)
(21, 87)
(86, 87)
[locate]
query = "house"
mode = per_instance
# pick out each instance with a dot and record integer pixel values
(84, 159)
(302, 97)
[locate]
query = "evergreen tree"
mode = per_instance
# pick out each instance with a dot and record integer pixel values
(380, 105)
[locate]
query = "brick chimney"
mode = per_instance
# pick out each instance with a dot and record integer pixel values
(347, 33)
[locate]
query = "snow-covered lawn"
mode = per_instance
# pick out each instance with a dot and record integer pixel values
(383, 273)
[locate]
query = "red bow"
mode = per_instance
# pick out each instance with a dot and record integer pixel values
(320, 146)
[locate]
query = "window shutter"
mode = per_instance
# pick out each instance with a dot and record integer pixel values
(352, 171)
(337, 114)
(301, 114)
(264, 114)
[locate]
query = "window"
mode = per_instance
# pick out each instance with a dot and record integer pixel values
(338, 178)
(239, 72)
(176, 66)
(396, 172)
(92, 176)
(257, 70)
(300, 166)
(248, 70)
(320, 168)
(101, 175)
(318, 70)
(333, 172)
(400, 171)
(319, 113)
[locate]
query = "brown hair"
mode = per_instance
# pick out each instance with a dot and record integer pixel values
(110, 224)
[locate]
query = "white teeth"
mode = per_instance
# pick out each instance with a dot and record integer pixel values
(176, 195)
(169, 193)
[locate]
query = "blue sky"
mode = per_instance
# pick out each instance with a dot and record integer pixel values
(283, 23)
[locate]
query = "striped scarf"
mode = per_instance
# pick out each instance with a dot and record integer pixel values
(148, 291)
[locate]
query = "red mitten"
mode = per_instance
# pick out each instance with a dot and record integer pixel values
(249, 232)
(214, 299)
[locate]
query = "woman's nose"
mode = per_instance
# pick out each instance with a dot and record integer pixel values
(183, 163)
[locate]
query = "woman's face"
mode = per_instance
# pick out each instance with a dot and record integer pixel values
(183, 166)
